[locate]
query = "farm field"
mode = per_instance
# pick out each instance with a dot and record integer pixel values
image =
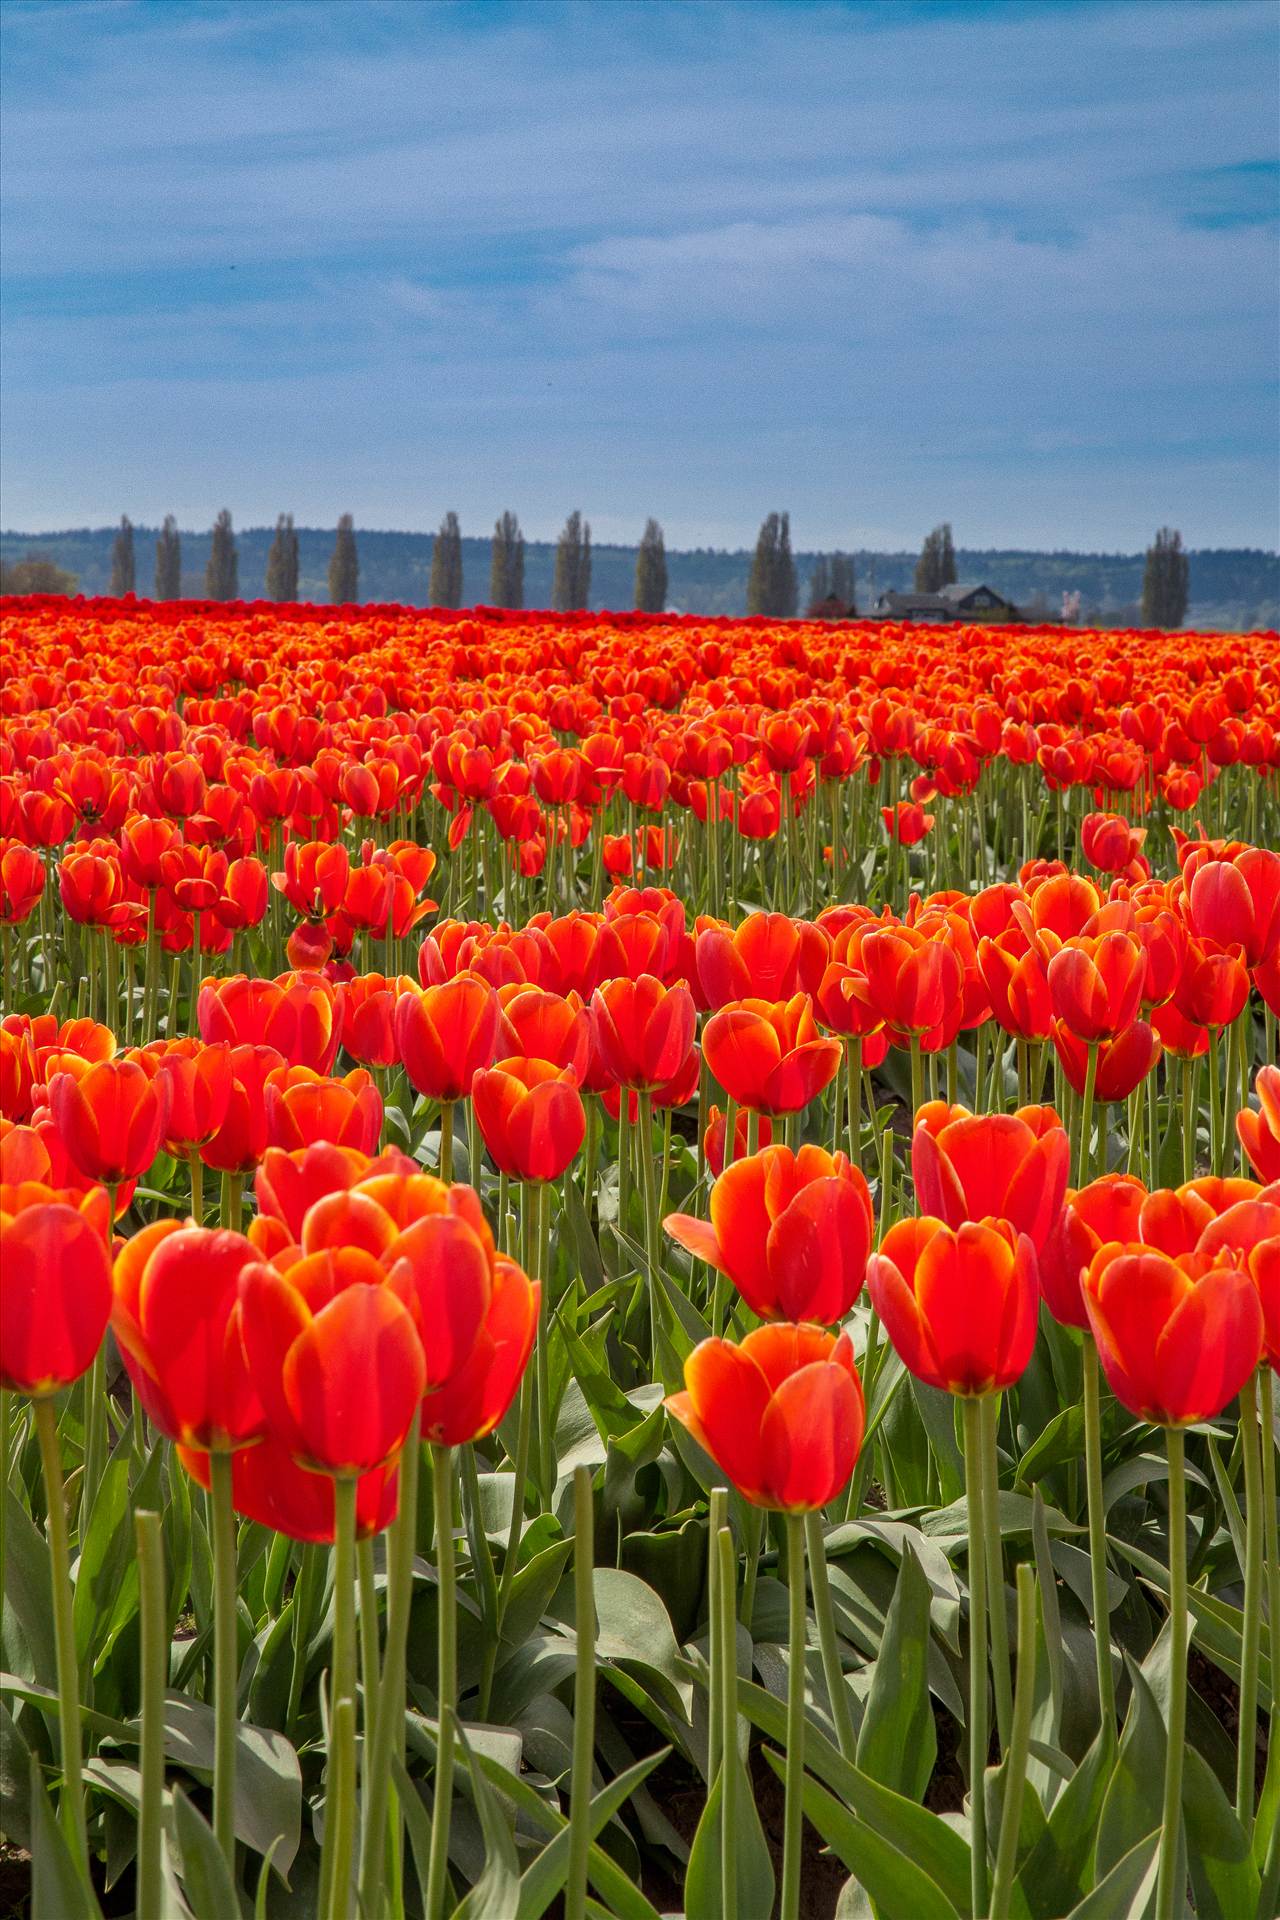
(641, 1267)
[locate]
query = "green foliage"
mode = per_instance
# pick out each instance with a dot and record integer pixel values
(282, 561)
(123, 570)
(571, 589)
(344, 566)
(445, 589)
(34, 575)
(169, 561)
(936, 567)
(222, 574)
(772, 588)
(651, 570)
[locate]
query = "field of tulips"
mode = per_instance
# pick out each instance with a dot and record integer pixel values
(641, 1268)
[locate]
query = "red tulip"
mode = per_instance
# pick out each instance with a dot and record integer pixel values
(1177, 1338)
(642, 1030)
(1109, 842)
(531, 1116)
(1010, 1167)
(111, 1118)
(770, 1055)
(295, 1013)
(792, 1231)
(907, 823)
(1235, 901)
(959, 1305)
(303, 1107)
(1122, 1062)
(782, 1414)
(714, 1139)
(57, 1289)
(1107, 1209)
(915, 980)
(1096, 983)
(268, 1486)
(446, 1034)
(1260, 1132)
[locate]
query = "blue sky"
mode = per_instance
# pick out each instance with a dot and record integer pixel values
(1014, 265)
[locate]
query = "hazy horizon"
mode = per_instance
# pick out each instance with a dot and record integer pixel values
(1011, 263)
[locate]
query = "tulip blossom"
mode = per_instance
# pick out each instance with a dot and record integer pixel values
(782, 1414)
(57, 1288)
(1013, 1167)
(531, 1117)
(1259, 1130)
(791, 1230)
(1095, 984)
(446, 1033)
(268, 1486)
(959, 1304)
(1177, 1337)
(642, 1030)
(715, 1139)
(1122, 1063)
(770, 1055)
(111, 1118)
(303, 1107)
(1107, 1209)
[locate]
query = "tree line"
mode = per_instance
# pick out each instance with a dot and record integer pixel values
(773, 589)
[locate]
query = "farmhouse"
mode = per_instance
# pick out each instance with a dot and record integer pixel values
(958, 602)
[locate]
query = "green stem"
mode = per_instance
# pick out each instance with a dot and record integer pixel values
(1252, 1620)
(717, 1517)
(978, 1736)
(1019, 1744)
(401, 1542)
(996, 1614)
(1271, 1555)
(538, 1204)
(728, 1636)
(445, 1163)
(1098, 1539)
(95, 1433)
(792, 1824)
(584, 1696)
(447, 1679)
(155, 1678)
(368, 1656)
(225, 1662)
(649, 1187)
(1169, 1896)
(824, 1612)
(340, 1791)
(64, 1634)
(196, 1167)
(1086, 1117)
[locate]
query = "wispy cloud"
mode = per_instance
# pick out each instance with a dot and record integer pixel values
(875, 262)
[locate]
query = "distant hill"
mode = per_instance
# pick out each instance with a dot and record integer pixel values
(1232, 589)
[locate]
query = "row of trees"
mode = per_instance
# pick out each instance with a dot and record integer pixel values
(772, 589)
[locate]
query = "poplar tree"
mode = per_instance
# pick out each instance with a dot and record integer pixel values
(819, 582)
(843, 583)
(651, 570)
(282, 561)
(445, 589)
(506, 572)
(772, 589)
(936, 567)
(572, 584)
(169, 561)
(222, 574)
(123, 570)
(344, 565)
(1165, 581)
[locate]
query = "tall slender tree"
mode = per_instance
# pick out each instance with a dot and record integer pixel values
(651, 570)
(1165, 581)
(843, 579)
(445, 589)
(344, 565)
(282, 561)
(506, 571)
(819, 582)
(123, 568)
(772, 588)
(572, 584)
(936, 567)
(169, 561)
(222, 574)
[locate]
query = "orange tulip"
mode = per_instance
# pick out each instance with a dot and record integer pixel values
(201, 1080)
(1107, 1209)
(1177, 1338)
(294, 1013)
(782, 1414)
(1260, 1131)
(959, 1304)
(770, 1055)
(1096, 984)
(1011, 1167)
(792, 1231)
(445, 1034)
(303, 1107)
(915, 980)
(540, 1025)
(642, 1031)
(112, 1118)
(1122, 1062)
(267, 1485)
(531, 1117)
(768, 956)
(714, 1140)
(57, 1289)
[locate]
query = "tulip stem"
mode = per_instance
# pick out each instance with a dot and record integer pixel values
(1086, 1117)
(1252, 1622)
(196, 1168)
(446, 1679)
(978, 1734)
(390, 1715)
(917, 1078)
(223, 1527)
(538, 1207)
(824, 1613)
(996, 1614)
(444, 1163)
(1098, 1539)
(722, 1550)
(1270, 1792)
(1019, 1744)
(1169, 1896)
(584, 1696)
(72, 1801)
(649, 1187)
(792, 1824)
(155, 1678)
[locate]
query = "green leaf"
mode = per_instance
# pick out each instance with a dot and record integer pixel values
(1061, 1440)
(58, 1892)
(1132, 1806)
(1224, 1878)
(941, 1852)
(205, 1879)
(1124, 1893)
(16, 1761)
(753, 1864)
(544, 1877)
(896, 1883)
(268, 1795)
(27, 1616)
(898, 1743)
(497, 1890)
(1015, 1512)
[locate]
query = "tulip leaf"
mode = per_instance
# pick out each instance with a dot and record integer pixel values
(205, 1879)
(58, 1889)
(1061, 1440)
(1133, 1799)
(496, 1891)
(1125, 1892)
(898, 1742)
(1015, 1515)
(27, 1617)
(896, 1883)
(16, 1761)
(753, 1864)
(544, 1877)
(268, 1795)
(1224, 1878)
